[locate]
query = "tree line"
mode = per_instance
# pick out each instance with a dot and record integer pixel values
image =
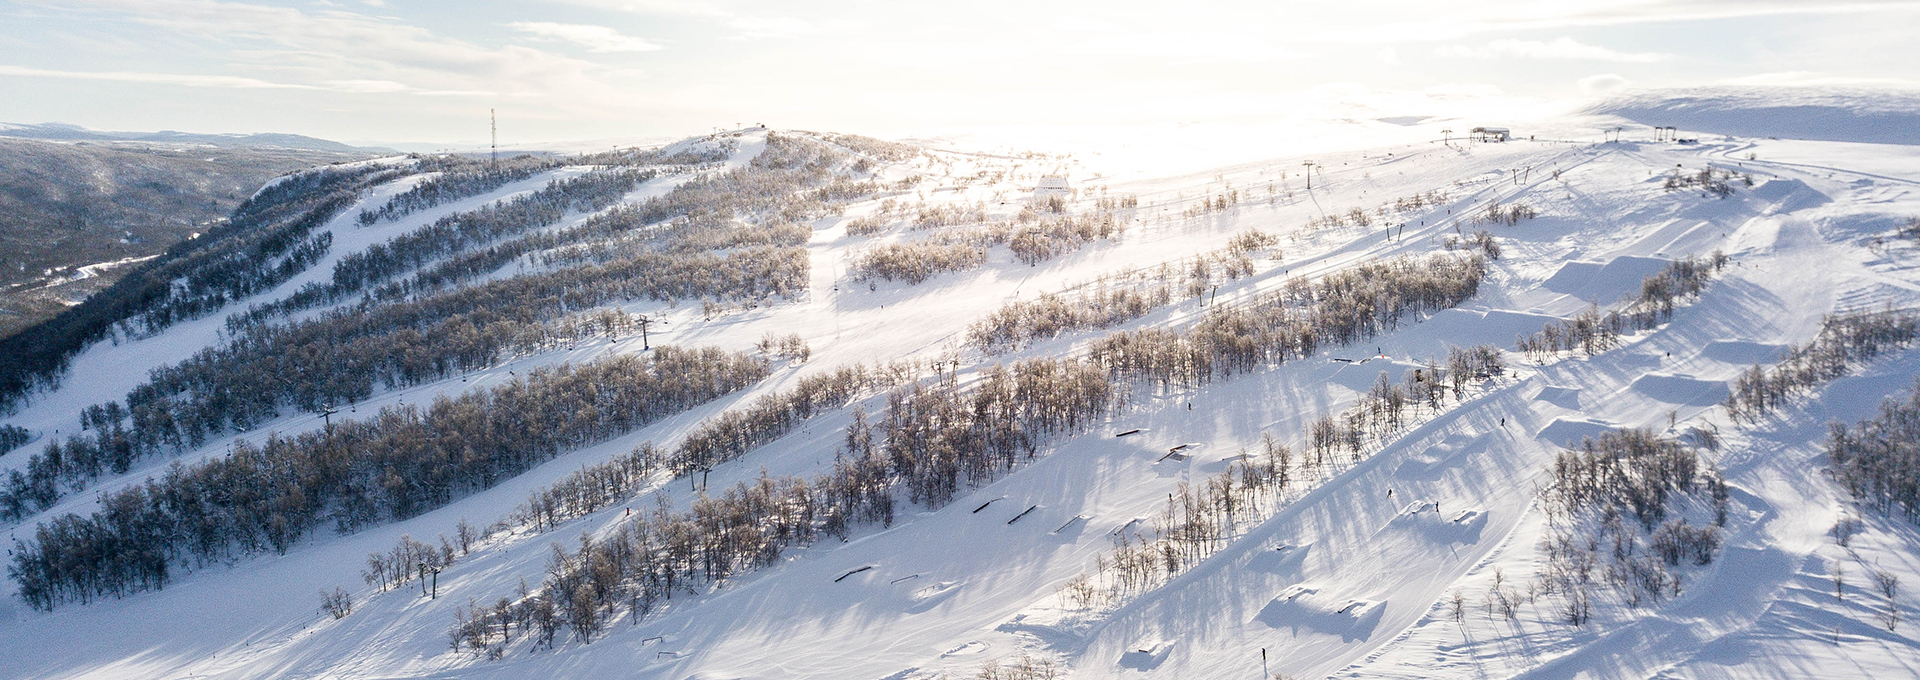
(1033, 238)
(401, 462)
(1845, 340)
(1878, 458)
(1608, 502)
(794, 180)
(457, 180)
(13, 437)
(1200, 519)
(590, 192)
(717, 440)
(1592, 331)
(344, 355)
(453, 236)
(933, 440)
(1712, 180)
(1275, 327)
(1113, 299)
(1361, 217)
(277, 365)
(463, 176)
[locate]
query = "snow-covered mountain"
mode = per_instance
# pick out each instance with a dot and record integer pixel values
(1454, 408)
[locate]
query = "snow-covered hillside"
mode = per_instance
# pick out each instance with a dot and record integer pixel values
(1418, 546)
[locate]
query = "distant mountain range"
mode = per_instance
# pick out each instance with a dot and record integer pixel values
(279, 140)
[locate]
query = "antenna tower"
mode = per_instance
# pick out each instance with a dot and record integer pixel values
(493, 121)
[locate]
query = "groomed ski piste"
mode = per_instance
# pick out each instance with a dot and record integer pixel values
(1352, 572)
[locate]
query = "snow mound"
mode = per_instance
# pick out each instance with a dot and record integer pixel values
(1432, 463)
(1301, 608)
(1603, 283)
(1681, 389)
(1569, 431)
(1789, 195)
(1424, 520)
(1147, 655)
(1563, 397)
(1742, 352)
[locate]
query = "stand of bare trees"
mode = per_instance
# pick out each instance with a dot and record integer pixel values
(341, 357)
(1032, 237)
(13, 437)
(1510, 215)
(591, 192)
(459, 178)
(733, 433)
(1845, 340)
(1113, 299)
(399, 463)
(795, 179)
(1608, 506)
(1201, 519)
(1481, 240)
(1878, 459)
(1337, 309)
(1712, 180)
(1593, 331)
(914, 263)
(935, 439)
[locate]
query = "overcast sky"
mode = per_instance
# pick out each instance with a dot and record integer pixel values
(427, 71)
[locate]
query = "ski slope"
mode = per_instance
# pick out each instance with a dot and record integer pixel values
(1349, 578)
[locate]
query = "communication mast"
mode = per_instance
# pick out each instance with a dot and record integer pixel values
(493, 122)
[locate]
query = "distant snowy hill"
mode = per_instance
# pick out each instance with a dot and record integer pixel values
(1827, 114)
(68, 132)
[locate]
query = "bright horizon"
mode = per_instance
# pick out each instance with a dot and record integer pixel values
(400, 72)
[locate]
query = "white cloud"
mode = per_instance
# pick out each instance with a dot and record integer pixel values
(352, 52)
(1816, 78)
(231, 82)
(1563, 48)
(746, 26)
(1185, 48)
(698, 8)
(1424, 20)
(188, 80)
(1388, 56)
(755, 28)
(458, 93)
(1603, 83)
(372, 86)
(594, 38)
